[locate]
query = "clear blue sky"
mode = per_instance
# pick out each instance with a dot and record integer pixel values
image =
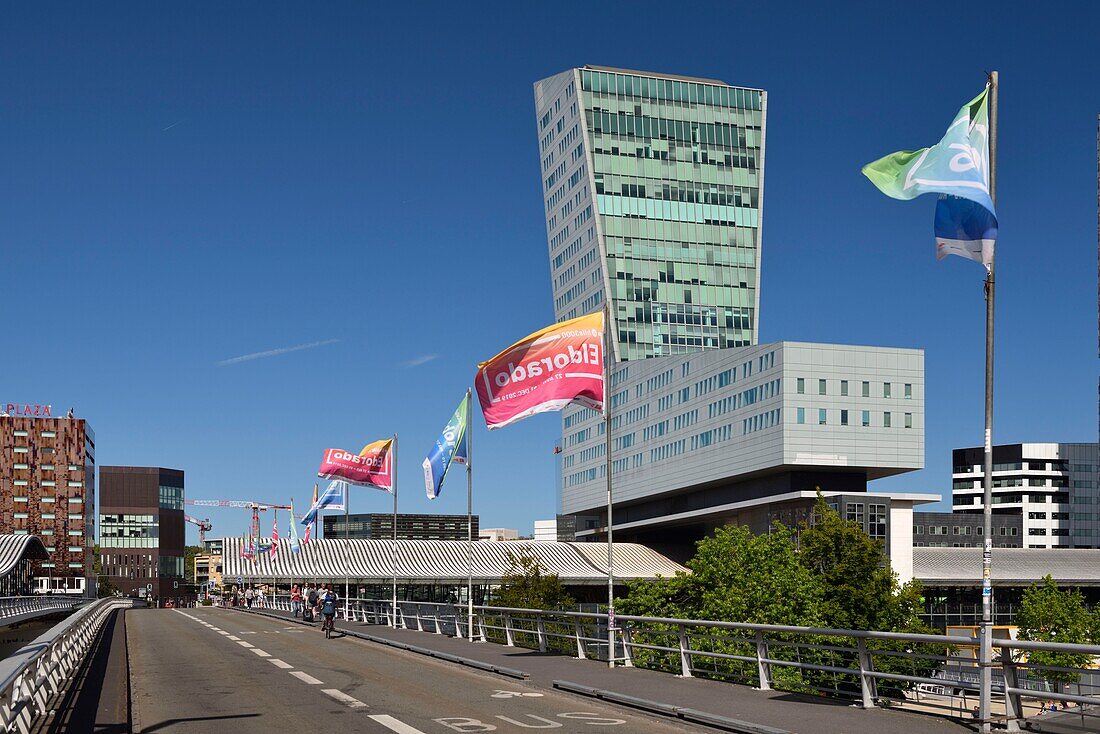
(183, 185)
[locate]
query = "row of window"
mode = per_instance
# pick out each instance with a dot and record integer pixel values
(46, 467)
(44, 434)
(865, 388)
(843, 418)
(963, 530)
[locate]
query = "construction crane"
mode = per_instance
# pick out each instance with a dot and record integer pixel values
(203, 526)
(256, 507)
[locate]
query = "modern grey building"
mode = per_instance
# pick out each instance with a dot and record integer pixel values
(1050, 487)
(652, 186)
(965, 530)
(694, 435)
(379, 526)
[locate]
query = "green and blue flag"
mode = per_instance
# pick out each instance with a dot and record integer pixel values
(451, 446)
(956, 168)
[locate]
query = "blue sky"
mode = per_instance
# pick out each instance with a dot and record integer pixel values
(185, 185)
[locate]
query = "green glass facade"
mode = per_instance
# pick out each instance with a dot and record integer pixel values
(653, 191)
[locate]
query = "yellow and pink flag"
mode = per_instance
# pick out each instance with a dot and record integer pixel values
(545, 371)
(371, 467)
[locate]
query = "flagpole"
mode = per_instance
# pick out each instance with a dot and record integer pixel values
(393, 481)
(347, 550)
(985, 670)
(469, 515)
(608, 358)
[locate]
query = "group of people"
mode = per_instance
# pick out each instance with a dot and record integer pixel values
(314, 602)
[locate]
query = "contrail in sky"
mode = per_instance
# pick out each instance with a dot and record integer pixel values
(177, 122)
(274, 352)
(416, 362)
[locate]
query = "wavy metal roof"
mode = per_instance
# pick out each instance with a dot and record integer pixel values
(444, 561)
(14, 548)
(1010, 567)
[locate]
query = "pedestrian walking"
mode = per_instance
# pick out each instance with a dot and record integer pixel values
(249, 595)
(295, 600)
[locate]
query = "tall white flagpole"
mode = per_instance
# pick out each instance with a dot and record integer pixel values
(608, 357)
(347, 549)
(393, 482)
(985, 662)
(469, 515)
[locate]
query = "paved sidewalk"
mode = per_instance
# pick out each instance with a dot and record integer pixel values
(791, 712)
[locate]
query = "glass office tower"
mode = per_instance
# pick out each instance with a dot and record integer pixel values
(652, 185)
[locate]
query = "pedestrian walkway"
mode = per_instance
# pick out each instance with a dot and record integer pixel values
(799, 714)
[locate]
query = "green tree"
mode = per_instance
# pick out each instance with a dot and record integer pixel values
(860, 590)
(526, 586)
(104, 587)
(1049, 614)
(189, 553)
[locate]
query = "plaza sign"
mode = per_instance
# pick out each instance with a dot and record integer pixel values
(27, 410)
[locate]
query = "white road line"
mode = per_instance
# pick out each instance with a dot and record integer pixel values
(242, 643)
(261, 653)
(395, 724)
(344, 698)
(234, 638)
(223, 632)
(305, 678)
(280, 664)
(215, 629)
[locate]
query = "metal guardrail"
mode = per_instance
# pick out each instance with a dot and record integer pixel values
(875, 668)
(34, 674)
(14, 606)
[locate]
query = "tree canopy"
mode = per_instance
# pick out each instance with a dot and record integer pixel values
(525, 586)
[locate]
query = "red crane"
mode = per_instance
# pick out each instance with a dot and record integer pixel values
(256, 508)
(203, 526)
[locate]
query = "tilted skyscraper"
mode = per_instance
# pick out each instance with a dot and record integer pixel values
(652, 185)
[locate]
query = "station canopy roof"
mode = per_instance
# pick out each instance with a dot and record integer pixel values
(443, 561)
(1010, 566)
(14, 548)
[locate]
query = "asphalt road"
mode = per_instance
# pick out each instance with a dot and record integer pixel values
(211, 670)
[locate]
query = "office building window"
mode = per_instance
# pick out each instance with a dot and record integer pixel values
(843, 417)
(854, 512)
(908, 420)
(844, 388)
(908, 391)
(886, 389)
(886, 419)
(821, 387)
(866, 389)
(801, 415)
(800, 386)
(822, 414)
(866, 417)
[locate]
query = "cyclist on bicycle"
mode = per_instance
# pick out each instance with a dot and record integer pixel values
(328, 610)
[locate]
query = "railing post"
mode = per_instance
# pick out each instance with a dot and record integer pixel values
(763, 667)
(627, 634)
(578, 630)
(541, 625)
(480, 620)
(867, 683)
(1014, 709)
(685, 653)
(509, 640)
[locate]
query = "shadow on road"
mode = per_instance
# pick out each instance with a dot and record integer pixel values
(171, 722)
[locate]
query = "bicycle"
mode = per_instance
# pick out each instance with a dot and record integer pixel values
(328, 624)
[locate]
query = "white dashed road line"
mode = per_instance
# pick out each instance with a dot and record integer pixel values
(343, 698)
(280, 664)
(395, 725)
(261, 653)
(306, 678)
(234, 638)
(244, 644)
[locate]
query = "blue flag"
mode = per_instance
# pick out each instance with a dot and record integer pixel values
(334, 498)
(957, 168)
(450, 446)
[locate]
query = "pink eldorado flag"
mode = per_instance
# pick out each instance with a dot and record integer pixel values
(275, 535)
(545, 371)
